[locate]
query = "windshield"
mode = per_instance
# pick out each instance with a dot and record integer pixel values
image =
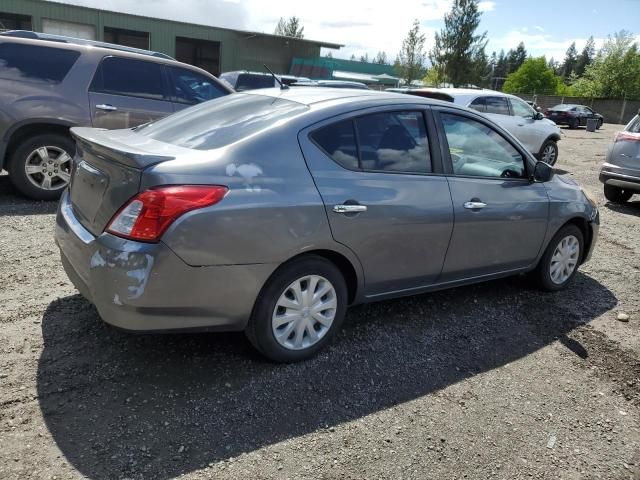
(222, 121)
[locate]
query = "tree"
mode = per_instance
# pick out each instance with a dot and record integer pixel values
(353, 57)
(553, 65)
(411, 59)
(290, 28)
(586, 57)
(457, 47)
(329, 55)
(515, 58)
(533, 76)
(364, 58)
(615, 71)
(570, 61)
(381, 58)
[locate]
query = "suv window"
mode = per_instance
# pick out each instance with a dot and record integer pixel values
(249, 81)
(388, 141)
(497, 105)
(521, 109)
(478, 150)
(31, 62)
(192, 87)
(479, 104)
(133, 78)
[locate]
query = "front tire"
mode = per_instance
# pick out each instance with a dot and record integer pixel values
(599, 125)
(299, 310)
(574, 123)
(549, 152)
(561, 259)
(616, 194)
(40, 167)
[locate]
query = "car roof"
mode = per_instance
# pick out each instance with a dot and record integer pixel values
(313, 95)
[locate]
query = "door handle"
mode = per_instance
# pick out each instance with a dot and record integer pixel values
(349, 208)
(474, 205)
(106, 107)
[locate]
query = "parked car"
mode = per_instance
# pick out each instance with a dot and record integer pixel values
(49, 83)
(539, 135)
(621, 171)
(245, 80)
(271, 211)
(331, 84)
(573, 115)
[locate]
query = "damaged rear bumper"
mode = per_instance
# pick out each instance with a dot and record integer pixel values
(146, 286)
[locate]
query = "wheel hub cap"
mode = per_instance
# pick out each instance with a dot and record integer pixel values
(304, 312)
(48, 168)
(564, 259)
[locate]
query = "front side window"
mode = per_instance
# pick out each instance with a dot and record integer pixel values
(132, 78)
(191, 87)
(497, 105)
(479, 151)
(35, 63)
(380, 142)
(521, 109)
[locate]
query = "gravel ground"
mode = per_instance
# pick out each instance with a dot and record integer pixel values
(490, 381)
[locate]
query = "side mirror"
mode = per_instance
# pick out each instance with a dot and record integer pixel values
(543, 172)
(538, 116)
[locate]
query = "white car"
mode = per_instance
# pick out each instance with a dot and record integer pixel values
(539, 134)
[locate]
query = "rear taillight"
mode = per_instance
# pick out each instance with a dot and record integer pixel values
(147, 215)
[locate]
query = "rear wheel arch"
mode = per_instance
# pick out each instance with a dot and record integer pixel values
(25, 131)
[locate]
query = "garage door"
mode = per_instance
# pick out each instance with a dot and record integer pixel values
(69, 29)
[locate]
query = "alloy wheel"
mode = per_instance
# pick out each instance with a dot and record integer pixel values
(304, 312)
(549, 154)
(564, 259)
(48, 168)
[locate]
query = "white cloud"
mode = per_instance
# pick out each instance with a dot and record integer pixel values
(539, 43)
(486, 6)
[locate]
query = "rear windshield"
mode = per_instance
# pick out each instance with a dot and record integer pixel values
(248, 81)
(35, 63)
(563, 107)
(222, 121)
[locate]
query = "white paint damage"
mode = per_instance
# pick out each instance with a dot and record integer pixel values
(248, 171)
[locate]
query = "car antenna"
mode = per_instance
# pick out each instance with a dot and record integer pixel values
(282, 85)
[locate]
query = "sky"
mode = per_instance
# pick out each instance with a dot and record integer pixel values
(547, 27)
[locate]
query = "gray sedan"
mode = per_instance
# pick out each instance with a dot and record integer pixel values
(270, 212)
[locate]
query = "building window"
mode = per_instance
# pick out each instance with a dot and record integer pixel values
(128, 38)
(68, 29)
(11, 21)
(204, 54)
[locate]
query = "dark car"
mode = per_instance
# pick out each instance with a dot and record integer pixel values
(621, 171)
(244, 80)
(50, 83)
(573, 115)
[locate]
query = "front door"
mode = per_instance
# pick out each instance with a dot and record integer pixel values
(127, 92)
(375, 173)
(500, 216)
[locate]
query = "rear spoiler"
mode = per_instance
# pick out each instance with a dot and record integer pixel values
(122, 146)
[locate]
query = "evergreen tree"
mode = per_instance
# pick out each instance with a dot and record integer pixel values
(501, 66)
(458, 48)
(289, 28)
(515, 58)
(570, 61)
(586, 57)
(411, 59)
(381, 59)
(364, 58)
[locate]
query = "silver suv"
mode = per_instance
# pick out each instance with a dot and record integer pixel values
(539, 134)
(50, 83)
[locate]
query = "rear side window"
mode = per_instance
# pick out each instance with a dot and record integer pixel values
(128, 77)
(222, 121)
(381, 142)
(35, 63)
(479, 104)
(192, 87)
(247, 81)
(497, 105)
(634, 125)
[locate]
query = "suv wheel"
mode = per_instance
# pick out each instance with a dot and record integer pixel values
(300, 308)
(616, 194)
(574, 123)
(561, 259)
(40, 167)
(549, 152)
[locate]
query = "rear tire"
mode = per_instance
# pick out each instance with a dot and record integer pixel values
(599, 125)
(549, 152)
(574, 123)
(275, 337)
(561, 259)
(43, 171)
(616, 194)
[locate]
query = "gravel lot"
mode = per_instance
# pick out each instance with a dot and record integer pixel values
(489, 381)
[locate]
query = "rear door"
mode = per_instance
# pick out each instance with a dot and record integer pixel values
(531, 132)
(128, 92)
(500, 216)
(385, 197)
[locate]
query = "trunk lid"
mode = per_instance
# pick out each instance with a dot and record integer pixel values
(107, 172)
